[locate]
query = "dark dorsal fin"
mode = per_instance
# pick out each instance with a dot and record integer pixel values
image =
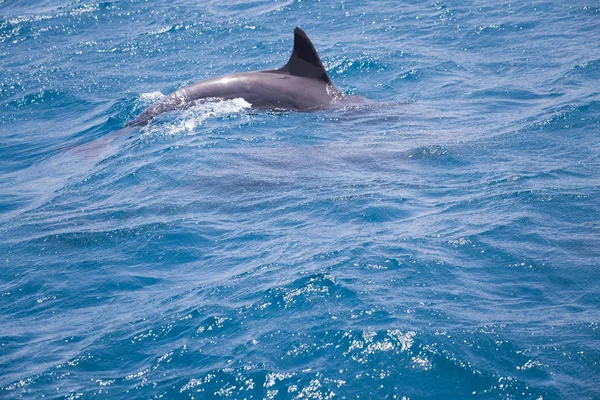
(304, 60)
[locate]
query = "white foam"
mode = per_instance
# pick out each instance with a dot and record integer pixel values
(187, 121)
(150, 97)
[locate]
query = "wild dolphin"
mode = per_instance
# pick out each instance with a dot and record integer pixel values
(301, 85)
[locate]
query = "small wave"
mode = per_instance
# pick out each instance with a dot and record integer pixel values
(585, 70)
(168, 29)
(560, 117)
(15, 26)
(256, 8)
(316, 288)
(362, 64)
(435, 151)
(487, 28)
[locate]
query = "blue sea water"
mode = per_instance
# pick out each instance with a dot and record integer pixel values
(443, 242)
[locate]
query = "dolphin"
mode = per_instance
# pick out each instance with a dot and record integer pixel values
(300, 85)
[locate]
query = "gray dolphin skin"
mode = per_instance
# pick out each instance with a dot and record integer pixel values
(301, 85)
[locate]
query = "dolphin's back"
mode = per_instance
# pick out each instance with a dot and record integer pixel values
(301, 85)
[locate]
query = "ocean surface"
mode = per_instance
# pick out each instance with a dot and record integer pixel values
(442, 242)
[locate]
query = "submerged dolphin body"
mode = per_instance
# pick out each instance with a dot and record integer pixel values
(301, 85)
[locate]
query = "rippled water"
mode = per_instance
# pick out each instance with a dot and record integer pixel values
(440, 243)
